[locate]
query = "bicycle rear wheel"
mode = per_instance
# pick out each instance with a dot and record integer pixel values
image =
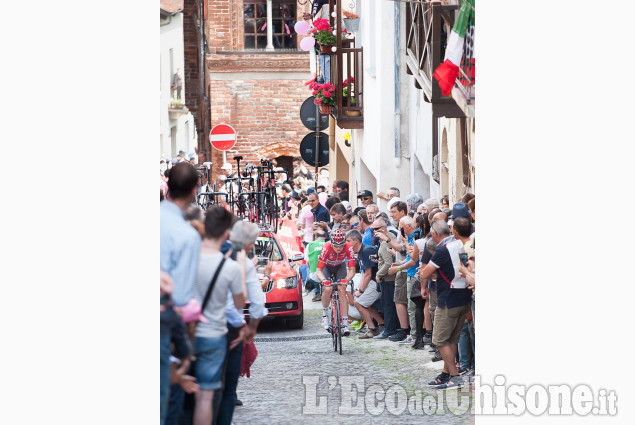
(339, 325)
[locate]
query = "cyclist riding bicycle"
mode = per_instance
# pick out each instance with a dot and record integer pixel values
(336, 262)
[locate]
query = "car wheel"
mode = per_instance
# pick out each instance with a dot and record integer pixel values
(296, 322)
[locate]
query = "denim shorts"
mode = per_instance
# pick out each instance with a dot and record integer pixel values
(210, 355)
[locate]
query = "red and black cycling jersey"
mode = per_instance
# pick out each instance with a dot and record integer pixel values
(328, 257)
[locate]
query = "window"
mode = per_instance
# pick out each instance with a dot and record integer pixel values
(282, 21)
(267, 247)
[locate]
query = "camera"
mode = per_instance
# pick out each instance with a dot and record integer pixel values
(403, 232)
(463, 258)
(236, 246)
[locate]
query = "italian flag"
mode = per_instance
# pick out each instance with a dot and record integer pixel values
(447, 72)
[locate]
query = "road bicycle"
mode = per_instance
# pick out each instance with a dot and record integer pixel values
(250, 194)
(336, 325)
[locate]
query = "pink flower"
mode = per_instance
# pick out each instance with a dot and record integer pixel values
(327, 94)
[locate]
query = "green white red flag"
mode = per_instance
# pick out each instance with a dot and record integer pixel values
(447, 72)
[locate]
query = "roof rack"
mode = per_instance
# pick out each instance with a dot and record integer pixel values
(266, 227)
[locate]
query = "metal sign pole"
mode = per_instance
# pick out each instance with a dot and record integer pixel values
(317, 143)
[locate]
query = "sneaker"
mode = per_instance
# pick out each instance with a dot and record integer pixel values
(325, 323)
(409, 340)
(382, 335)
(463, 371)
(381, 328)
(238, 403)
(454, 382)
(316, 297)
(346, 330)
(427, 340)
(437, 356)
(442, 378)
(370, 333)
(399, 336)
(418, 345)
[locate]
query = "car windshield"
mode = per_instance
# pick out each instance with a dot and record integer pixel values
(267, 247)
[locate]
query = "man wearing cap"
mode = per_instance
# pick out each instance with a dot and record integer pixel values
(366, 196)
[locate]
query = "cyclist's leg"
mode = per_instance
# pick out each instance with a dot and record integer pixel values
(326, 297)
(326, 289)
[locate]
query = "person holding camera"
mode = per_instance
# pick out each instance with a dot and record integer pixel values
(386, 281)
(243, 237)
(405, 306)
(368, 291)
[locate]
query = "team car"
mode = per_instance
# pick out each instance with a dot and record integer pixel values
(283, 293)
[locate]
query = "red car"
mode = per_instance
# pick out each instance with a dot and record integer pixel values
(284, 291)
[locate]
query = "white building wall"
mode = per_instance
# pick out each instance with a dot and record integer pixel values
(172, 38)
(376, 164)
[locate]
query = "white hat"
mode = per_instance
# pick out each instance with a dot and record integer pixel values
(226, 166)
(392, 201)
(347, 205)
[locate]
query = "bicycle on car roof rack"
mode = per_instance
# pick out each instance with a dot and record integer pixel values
(251, 195)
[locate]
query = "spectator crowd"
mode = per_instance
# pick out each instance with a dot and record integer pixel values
(410, 280)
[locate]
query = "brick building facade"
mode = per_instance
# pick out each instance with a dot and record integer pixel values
(256, 90)
(197, 97)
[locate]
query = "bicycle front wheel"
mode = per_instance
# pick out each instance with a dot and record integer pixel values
(339, 325)
(333, 324)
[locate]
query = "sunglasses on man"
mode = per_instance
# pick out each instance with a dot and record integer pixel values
(366, 198)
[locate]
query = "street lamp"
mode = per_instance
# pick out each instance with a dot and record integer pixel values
(347, 137)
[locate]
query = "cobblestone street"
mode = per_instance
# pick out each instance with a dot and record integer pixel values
(276, 393)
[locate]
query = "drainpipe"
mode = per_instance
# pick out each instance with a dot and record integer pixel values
(397, 114)
(167, 15)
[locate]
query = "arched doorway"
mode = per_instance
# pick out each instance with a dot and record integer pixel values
(286, 162)
(283, 153)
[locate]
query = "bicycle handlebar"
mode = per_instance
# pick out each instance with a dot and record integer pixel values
(341, 282)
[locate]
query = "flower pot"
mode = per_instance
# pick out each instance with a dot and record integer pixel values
(325, 50)
(352, 113)
(325, 109)
(352, 24)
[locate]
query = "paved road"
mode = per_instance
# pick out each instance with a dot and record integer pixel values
(300, 381)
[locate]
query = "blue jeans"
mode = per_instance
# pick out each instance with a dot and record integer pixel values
(165, 364)
(227, 396)
(472, 335)
(210, 355)
(175, 408)
(391, 321)
(465, 357)
(304, 274)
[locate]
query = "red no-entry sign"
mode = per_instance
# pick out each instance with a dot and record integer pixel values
(222, 137)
